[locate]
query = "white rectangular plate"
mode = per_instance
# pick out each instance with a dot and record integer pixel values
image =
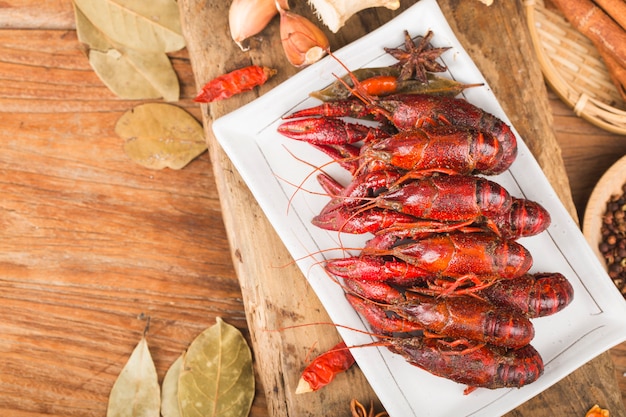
(591, 324)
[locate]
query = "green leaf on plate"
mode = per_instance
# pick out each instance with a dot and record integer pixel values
(169, 390)
(218, 378)
(152, 25)
(136, 391)
(133, 74)
(160, 135)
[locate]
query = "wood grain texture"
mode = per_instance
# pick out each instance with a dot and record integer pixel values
(26, 14)
(92, 244)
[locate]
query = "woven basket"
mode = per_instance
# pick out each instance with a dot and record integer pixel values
(573, 68)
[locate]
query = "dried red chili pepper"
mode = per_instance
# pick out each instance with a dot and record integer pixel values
(380, 85)
(324, 368)
(234, 82)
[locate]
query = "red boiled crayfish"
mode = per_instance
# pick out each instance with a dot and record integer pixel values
(464, 317)
(439, 202)
(461, 150)
(478, 258)
(534, 295)
(448, 198)
(449, 148)
(523, 218)
(407, 111)
(474, 364)
(458, 254)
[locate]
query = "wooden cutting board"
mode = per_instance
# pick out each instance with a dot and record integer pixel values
(275, 292)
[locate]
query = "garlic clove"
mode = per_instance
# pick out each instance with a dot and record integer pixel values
(303, 42)
(335, 13)
(247, 18)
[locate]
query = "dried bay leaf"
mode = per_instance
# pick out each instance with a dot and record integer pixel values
(217, 379)
(160, 135)
(136, 75)
(133, 74)
(89, 34)
(169, 390)
(136, 391)
(152, 25)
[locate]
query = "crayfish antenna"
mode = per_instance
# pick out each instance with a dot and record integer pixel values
(427, 227)
(300, 186)
(321, 251)
(457, 288)
(357, 89)
(423, 173)
(341, 326)
(469, 346)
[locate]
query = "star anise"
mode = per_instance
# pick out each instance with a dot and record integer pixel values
(416, 60)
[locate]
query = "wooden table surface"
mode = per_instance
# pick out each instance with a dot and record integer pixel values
(92, 243)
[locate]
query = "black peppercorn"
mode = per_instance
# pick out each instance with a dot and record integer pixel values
(613, 243)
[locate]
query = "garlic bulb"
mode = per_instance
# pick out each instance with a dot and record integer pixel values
(303, 42)
(335, 13)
